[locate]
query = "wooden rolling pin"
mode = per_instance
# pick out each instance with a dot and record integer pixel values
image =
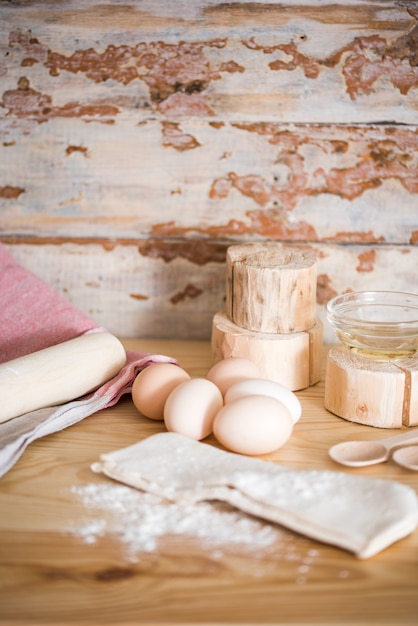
(58, 374)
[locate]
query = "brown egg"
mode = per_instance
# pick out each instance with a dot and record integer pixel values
(253, 425)
(153, 385)
(191, 408)
(230, 371)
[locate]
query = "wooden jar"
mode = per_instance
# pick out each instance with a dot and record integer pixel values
(270, 315)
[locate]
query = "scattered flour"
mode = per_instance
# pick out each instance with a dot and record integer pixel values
(140, 520)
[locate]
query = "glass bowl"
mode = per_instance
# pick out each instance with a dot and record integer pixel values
(381, 323)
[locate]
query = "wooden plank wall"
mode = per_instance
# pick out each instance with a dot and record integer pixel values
(140, 138)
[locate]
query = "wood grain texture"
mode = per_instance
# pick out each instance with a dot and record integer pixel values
(253, 60)
(173, 289)
(176, 128)
(243, 180)
(64, 580)
(373, 392)
(271, 288)
(291, 359)
(365, 391)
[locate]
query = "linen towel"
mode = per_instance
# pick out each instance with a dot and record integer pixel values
(359, 514)
(34, 316)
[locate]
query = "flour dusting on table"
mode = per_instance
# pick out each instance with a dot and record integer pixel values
(141, 520)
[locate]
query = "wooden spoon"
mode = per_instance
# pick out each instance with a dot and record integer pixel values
(407, 457)
(362, 453)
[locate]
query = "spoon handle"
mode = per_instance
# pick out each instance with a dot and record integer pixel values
(398, 440)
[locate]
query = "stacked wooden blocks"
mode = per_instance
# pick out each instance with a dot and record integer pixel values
(270, 315)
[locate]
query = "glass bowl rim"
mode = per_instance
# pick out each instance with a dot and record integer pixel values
(342, 319)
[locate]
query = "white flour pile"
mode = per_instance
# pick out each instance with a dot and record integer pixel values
(141, 520)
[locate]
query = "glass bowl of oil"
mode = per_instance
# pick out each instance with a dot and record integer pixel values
(381, 324)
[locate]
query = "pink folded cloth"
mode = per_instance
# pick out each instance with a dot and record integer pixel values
(34, 316)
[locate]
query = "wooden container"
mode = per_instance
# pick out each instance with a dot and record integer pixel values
(292, 359)
(271, 288)
(370, 391)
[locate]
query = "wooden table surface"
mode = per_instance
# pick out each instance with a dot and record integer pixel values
(52, 572)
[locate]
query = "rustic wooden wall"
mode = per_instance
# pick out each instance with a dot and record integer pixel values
(140, 138)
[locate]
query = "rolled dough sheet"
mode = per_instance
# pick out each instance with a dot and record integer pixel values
(359, 514)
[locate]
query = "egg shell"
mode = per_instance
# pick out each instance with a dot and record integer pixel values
(153, 385)
(230, 371)
(265, 387)
(191, 408)
(253, 425)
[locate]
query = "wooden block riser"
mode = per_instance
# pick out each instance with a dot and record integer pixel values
(271, 288)
(373, 392)
(293, 359)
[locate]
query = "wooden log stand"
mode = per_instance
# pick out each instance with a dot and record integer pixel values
(381, 393)
(271, 288)
(292, 359)
(270, 315)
